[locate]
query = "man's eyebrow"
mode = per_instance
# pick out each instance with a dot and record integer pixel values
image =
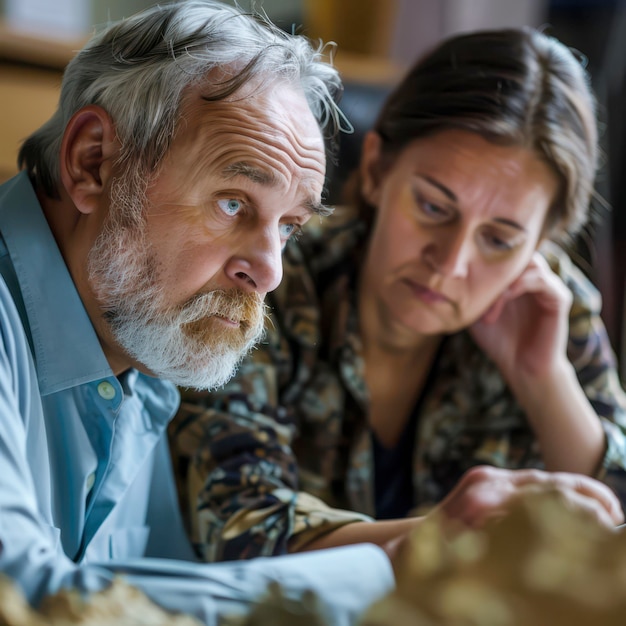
(254, 174)
(318, 208)
(264, 177)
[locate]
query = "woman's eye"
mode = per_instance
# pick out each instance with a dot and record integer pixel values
(429, 209)
(230, 206)
(497, 243)
(432, 209)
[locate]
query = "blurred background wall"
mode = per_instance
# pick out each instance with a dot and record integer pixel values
(376, 40)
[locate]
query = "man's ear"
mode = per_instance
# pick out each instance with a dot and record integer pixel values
(88, 151)
(370, 167)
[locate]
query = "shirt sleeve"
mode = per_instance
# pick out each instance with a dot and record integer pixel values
(238, 476)
(592, 356)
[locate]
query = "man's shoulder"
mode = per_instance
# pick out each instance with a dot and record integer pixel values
(16, 189)
(16, 357)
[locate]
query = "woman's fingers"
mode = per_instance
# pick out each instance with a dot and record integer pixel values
(570, 484)
(537, 280)
(487, 492)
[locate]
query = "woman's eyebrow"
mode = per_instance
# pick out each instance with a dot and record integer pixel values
(435, 183)
(452, 196)
(508, 222)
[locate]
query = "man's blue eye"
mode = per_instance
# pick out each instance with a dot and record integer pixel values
(286, 230)
(229, 206)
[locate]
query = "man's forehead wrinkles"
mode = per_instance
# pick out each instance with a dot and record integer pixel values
(303, 152)
(276, 134)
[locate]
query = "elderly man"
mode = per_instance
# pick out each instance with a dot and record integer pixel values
(136, 248)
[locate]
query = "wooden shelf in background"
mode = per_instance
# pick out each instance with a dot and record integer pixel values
(364, 68)
(29, 98)
(35, 49)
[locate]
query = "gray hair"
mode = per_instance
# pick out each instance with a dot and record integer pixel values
(137, 69)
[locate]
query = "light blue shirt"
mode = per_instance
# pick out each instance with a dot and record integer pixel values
(86, 486)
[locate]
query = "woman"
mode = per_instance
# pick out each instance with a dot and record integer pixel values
(428, 327)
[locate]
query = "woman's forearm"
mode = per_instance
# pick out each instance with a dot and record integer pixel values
(379, 533)
(569, 432)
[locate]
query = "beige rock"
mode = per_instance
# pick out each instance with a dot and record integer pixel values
(119, 605)
(276, 609)
(542, 565)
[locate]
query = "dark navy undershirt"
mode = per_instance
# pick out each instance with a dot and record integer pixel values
(393, 467)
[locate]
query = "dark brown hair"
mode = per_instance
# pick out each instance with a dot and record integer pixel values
(515, 87)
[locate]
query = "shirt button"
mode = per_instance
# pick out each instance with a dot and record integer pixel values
(106, 390)
(91, 479)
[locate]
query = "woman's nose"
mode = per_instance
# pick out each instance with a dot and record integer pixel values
(450, 254)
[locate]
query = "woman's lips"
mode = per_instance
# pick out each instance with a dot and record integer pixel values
(426, 294)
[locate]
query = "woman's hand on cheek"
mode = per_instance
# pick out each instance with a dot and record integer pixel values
(525, 330)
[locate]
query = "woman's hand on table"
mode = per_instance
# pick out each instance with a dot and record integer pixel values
(485, 493)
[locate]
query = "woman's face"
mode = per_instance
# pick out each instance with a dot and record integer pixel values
(458, 219)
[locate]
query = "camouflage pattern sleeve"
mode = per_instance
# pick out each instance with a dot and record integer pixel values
(592, 355)
(237, 475)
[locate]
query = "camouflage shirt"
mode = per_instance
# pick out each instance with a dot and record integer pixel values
(283, 453)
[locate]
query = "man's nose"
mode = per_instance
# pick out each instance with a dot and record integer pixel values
(257, 264)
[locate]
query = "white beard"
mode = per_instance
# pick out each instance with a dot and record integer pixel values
(185, 343)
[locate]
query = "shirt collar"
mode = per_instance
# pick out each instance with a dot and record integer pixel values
(66, 348)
